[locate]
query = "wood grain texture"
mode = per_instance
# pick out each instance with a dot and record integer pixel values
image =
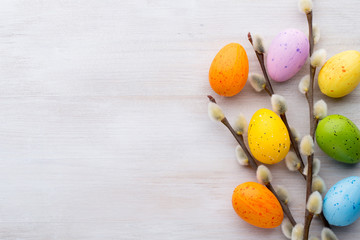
(104, 130)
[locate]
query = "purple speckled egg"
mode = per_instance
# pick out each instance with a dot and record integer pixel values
(287, 54)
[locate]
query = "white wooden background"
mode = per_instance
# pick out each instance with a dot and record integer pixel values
(104, 132)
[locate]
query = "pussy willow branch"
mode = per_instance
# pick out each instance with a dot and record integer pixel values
(254, 165)
(310, 100)
(267, 90)
(295, 146)
(311, 38)
(260, 57)
(270, 91)
(313, 124)
(309, 217)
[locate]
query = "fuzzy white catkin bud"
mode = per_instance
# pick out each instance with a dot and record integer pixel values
(305, 6)
(320, 109)
(315, 167)
(316, 33)
(240, 125)
(306, 169)
(314, 203)
(292, 161)
(304, 84)
(297, 232)
(313, 238)
(295, 134)
(278, 103)
(318, 184)
(258, 43)
(241, 157)
(318, 58)
(286, 228)
(282, 194)
(257, 81)
(263, 174)
(328, 234)
(215, 112)
(307, 145)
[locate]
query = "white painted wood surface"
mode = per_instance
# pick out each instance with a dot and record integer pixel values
(104, 130)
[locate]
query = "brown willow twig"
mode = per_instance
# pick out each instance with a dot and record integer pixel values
(309, 217)
(295, 146)
(311, 38)
(268, 88)
(313, 124)
(260, 57)
(254, 165)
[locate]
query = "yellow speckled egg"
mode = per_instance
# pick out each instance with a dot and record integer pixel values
(341, 74)
(268, 137)
(255, 204)
(229, 70)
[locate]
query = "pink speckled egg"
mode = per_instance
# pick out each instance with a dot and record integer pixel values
(287, 54)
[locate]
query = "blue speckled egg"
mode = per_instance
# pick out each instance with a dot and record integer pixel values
(342, 202)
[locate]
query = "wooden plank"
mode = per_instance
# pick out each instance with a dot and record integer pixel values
(104, 130)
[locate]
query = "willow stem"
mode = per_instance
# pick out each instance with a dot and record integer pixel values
(260, 57)
(313, 124)
(240, 139)
(270, 91)
(310, 99)
(309, 176)
(293, 141)
(283, 205)
(308, 218)
(311, 38)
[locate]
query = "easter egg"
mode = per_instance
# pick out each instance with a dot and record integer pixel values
(339, 138)
(287, 54)
(341, 205)
(255, 204)
(229, 70)
(340, 74)
(268, 138)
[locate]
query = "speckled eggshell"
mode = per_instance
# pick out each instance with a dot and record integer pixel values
(255, 204)
(268, 138)
(229, 70)
(287, 54)
(342, 202)
(339, 138)
(340, 74)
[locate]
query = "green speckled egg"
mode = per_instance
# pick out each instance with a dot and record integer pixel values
(339, 138)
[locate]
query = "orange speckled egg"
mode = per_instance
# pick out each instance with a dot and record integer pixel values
(255, 204)
(268, 138)
(229, 70)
